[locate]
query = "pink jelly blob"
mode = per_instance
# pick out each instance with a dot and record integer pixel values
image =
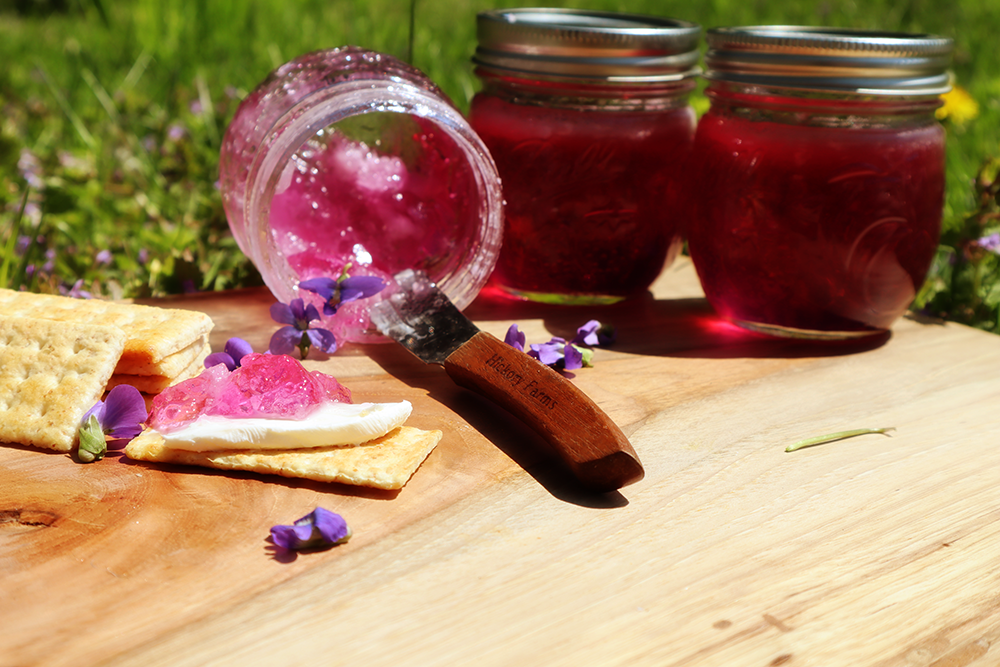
(268, 386)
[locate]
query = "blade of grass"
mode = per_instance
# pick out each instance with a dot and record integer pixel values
(833, 437)
(136, 71)
(101, 94)
(15, 232)
(413, 25)
(78, 125)
(207, 108)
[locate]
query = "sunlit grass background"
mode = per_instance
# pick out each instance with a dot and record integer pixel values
(111, 116)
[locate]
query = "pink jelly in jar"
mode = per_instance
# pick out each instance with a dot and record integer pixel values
(350, 158)
(587, 117)
(819, 180)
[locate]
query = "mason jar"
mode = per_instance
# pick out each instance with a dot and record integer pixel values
(586, 115)
(348, 159)
(819, 177)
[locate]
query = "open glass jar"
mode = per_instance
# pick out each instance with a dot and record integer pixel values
(348, 158)
(586, 115)
(819, 177)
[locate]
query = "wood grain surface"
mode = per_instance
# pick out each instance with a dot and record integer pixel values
(880, 550)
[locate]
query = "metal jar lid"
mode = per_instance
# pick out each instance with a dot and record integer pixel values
(577, 44)
(830, 60)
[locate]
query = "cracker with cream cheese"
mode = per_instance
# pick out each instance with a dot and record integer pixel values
(387, 462)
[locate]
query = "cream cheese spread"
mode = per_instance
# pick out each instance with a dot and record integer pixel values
(328, 425)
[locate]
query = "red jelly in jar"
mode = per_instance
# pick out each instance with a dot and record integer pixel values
(350, 159)
(819, 177)
(586, 116)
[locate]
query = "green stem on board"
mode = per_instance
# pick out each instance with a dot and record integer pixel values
(832, 437)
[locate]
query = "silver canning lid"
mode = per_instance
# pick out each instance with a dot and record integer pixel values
(579, 44)
(830, 60)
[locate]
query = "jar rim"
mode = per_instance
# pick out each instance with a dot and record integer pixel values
(594, 45)
(830, 59)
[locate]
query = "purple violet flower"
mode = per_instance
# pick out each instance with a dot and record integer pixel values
(990, 242)
(560, 353)
(515, 338)
(176, 132)
(297, 315)
(317, 530)
(103, 257)
(574, 357)
(76, 291)
(111, 423)
(50, 261)
(235, 350)
(594, 334)
(343, 290)
(549, 353)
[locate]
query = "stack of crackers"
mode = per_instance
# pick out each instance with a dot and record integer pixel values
(59, 355)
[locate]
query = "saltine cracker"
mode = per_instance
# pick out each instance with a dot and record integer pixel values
(387, 462)
(152, 333)
(51, 373)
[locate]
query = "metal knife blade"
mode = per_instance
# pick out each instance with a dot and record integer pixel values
(422, 318)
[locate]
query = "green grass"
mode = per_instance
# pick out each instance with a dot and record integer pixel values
(111, 115)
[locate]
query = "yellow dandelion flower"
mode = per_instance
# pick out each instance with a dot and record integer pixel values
(957, 106)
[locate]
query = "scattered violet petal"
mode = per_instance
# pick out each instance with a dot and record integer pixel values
(563, 355)
(235, 350)
(331, 526)
(291, 537)
(572, 357)
(549, 353)
(515, 338)
(217, 358)
(119, 417)
(97, 409)
(319, 529)
(124, 412)
(594, 334)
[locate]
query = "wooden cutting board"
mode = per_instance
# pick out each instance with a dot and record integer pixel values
(879, 550)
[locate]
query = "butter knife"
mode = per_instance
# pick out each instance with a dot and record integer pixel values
(421, 318)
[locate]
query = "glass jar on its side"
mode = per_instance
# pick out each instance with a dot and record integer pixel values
(819, 177)
(587, 117)
(351, 159)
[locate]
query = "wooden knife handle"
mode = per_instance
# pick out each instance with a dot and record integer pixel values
(593, 447)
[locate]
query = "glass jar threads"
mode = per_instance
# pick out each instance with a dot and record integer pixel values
(586, 116)
(351, 159)
(819, 177)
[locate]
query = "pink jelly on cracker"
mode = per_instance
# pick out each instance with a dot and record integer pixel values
(268, 386)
